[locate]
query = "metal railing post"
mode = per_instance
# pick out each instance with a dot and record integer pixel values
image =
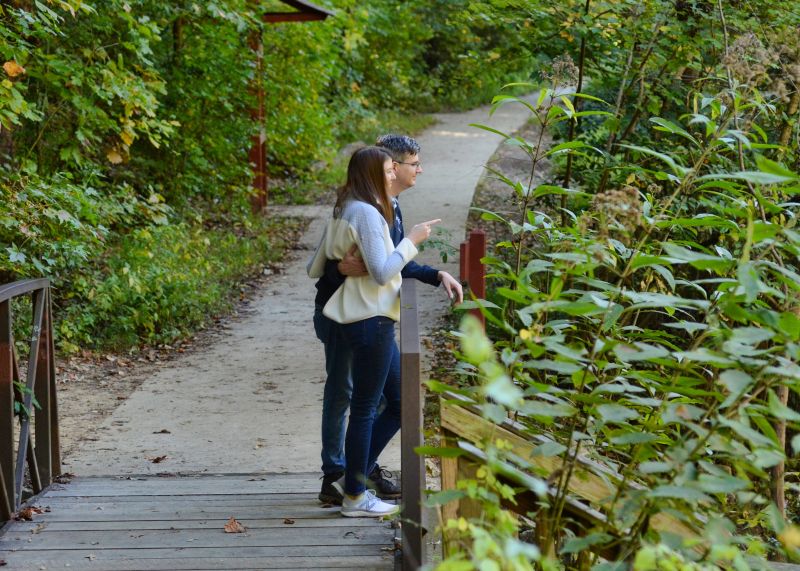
(6, 412)
(412, 465)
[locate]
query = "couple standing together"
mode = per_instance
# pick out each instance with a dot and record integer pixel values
(359, 264)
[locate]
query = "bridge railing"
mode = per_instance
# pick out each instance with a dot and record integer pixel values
(34, 422)
(412, 465)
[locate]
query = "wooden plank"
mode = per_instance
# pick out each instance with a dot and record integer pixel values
(182, 488)
(177, 523)
(26, 563)
(472, 427)
(585, 483)
(201, 552)
(209, 538)
(383, 561)
(162, 511)
(209, 523)
(238, 499)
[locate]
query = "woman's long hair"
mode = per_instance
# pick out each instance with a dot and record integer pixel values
(366, 182)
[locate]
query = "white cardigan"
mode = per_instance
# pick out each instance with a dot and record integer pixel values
(379, 292)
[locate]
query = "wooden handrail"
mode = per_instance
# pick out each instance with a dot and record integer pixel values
(412, 465)
(42, 456)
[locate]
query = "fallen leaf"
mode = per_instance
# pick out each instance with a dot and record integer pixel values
(288, 521)
(162, 431)
(13, 69)
(234, 526)
(64, 478)
(26, 514)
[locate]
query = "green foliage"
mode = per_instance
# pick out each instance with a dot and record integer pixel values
(653, 330)
(162, 282)
(125, 123)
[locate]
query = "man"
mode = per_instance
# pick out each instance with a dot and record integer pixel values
(338, 359)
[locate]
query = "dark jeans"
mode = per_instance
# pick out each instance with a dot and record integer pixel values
(375, 372)
(338, 386)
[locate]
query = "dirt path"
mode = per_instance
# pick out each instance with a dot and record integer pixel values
(250, 400)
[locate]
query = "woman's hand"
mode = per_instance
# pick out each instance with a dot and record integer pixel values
(422, 231)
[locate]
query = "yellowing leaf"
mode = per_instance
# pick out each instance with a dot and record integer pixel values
(126, 137)
(13, 69)
(525, 334)
(114, 157)
(790, 536)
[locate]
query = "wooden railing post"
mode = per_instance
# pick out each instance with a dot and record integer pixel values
(476, 271)
(412, 465)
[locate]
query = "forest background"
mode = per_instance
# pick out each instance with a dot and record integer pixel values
(642, 305)
(125, 130)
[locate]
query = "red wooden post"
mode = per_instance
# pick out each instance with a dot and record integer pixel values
(476, 271)
(463, 262)
(258, 151)
(304, 11)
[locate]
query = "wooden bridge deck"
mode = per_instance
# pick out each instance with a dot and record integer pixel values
(177, 522)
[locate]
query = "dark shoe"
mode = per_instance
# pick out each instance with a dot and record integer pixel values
(331, 493)
(380, 481)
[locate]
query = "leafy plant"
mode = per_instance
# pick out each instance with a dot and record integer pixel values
(654, 332)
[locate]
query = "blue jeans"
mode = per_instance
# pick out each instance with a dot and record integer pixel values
(336, 397)
(375, 372)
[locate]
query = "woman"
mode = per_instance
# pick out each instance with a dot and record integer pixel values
(368, 307)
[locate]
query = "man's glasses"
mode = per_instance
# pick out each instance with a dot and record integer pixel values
(415, 164)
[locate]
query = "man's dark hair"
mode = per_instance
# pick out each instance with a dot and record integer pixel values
(399, 146)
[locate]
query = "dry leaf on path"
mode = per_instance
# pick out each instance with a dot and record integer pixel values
(26, 514)
(288, 521)
(234, 526)
(158, 459)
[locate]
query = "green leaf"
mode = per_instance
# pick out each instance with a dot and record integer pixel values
(549, 449)
(780, 410)
(639, 352)
(443, 497)
(633, 438)
(578, 544)
(565, 367)
(699, 260)
(440, 452)
(615, 413)
(670, 127)
(679, 170)
(755, 177)
(722, 484)
(490, 129)
(737, 382)
(748, 278)
(15, 256)
(769, 166)
(538, 408)
(682, 493)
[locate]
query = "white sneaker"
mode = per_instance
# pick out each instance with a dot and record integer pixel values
(367, 505)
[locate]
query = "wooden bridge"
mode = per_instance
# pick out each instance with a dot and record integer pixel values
(222, 521)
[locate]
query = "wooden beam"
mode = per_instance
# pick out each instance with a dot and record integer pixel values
(276, 17)
(591, 481)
